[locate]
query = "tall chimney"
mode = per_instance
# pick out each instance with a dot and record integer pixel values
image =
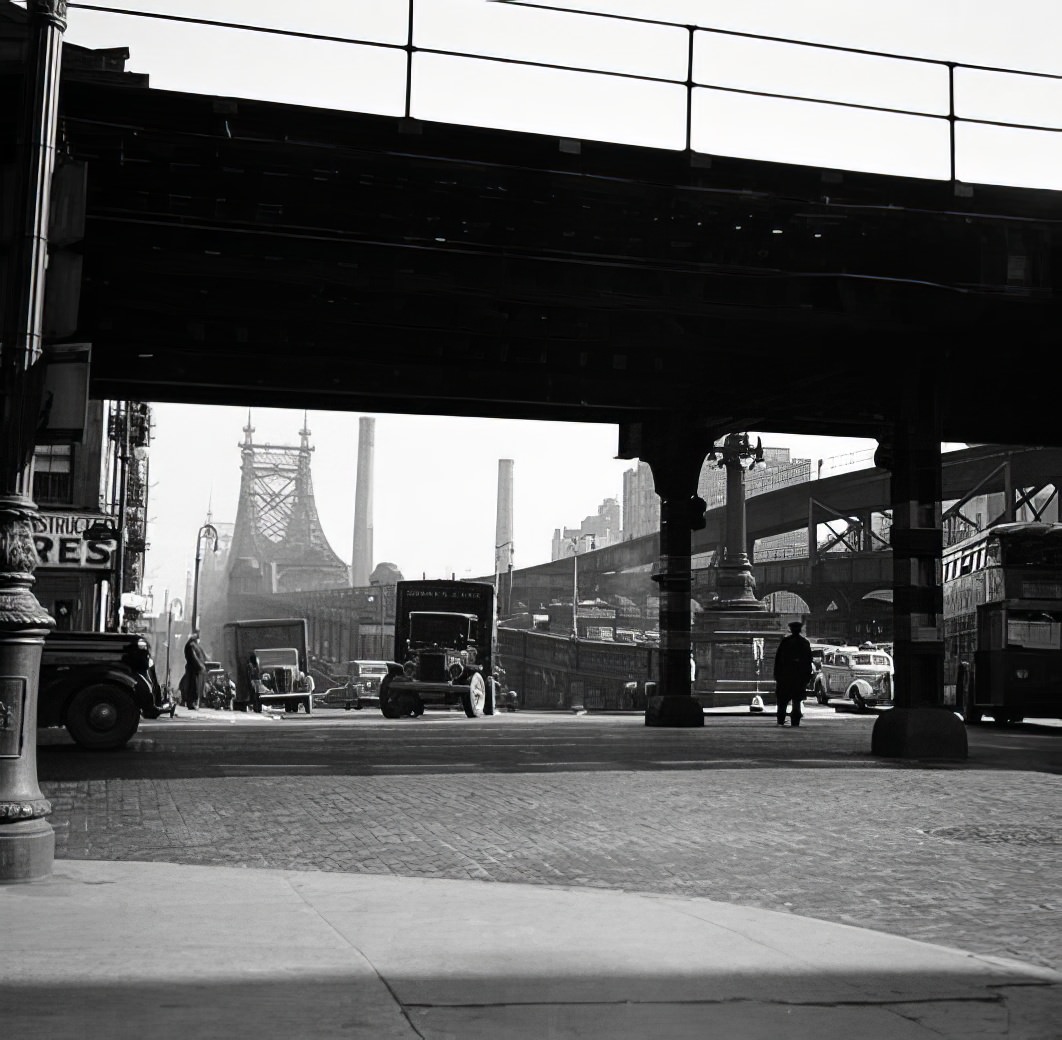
(361, 561)
(503, 536)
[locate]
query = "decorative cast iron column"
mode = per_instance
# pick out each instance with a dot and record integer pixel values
(736, 583)
(674, 449)
(918, 726)
(27, 841)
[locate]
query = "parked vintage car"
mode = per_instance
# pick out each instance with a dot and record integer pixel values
(98, 685)
(862, 675)
(817, 652)
(361, 689)
(278, 680)
(218, 688)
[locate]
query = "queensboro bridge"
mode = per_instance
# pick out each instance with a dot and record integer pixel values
(278, 544)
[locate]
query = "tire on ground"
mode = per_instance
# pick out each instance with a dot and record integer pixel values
(388, 708)
(102, 717)
(861, 694)
(474, 696)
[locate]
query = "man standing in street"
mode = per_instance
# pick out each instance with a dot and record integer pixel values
(194, 671)
(792, 672)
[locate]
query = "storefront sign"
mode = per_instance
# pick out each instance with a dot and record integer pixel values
(61, 542)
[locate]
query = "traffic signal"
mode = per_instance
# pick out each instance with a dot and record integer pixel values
(697, 509)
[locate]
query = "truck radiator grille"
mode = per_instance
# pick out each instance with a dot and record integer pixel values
(433, 667)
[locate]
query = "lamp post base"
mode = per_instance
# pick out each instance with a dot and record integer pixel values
(675, 710)
(27, 851)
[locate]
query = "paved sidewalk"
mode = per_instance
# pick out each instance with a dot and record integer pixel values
(110, 950)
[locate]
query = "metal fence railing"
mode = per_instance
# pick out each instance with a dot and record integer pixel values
(951, 89)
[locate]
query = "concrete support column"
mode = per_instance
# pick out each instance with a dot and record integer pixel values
(27, 841)
(918, 726)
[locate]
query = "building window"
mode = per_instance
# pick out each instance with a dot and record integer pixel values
(53, 474)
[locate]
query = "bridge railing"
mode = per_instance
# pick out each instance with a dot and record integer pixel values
(671, 85)
(554, 672)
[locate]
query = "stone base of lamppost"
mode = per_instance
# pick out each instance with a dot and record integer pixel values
(675, 711)
(736, 588)
(729, 672)
(27, 841)
(27, 851)
(929, 733)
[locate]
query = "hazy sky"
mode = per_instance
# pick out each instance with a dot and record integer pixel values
(562, 472)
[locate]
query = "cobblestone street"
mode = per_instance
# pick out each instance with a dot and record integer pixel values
(962, 857)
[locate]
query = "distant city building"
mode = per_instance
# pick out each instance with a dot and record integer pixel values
(91, 535)
(595, 532)
(781, 471)
(641, 504)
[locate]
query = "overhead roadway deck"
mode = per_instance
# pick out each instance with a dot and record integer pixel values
(253, 253)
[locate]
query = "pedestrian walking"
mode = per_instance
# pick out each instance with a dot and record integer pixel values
(792, 672)
(194, 672)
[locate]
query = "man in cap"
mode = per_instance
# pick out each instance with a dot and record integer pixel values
(792, 672)
(194, 680)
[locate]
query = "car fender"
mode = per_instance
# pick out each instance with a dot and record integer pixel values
(74, 684)
(861, 687)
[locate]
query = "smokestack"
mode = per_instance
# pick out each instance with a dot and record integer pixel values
(361, 561)
(503, 536)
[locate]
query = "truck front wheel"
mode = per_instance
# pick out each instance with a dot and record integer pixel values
(474, 696)
(388, 704)
(102, 717)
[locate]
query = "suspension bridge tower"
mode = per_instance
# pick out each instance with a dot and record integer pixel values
(278, 544)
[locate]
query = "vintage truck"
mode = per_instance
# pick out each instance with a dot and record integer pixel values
(443, 643)
(267, 657)
(98, 685)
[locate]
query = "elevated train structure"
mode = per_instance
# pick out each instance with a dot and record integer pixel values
(834, 578)
(847, 564)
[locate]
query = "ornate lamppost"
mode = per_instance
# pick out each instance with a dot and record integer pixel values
(211, 530)
(27, 841)
(736, 584)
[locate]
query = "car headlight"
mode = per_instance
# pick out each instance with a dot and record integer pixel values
(409, 669)
(266, 677)
(1021, 673)
(456, 670)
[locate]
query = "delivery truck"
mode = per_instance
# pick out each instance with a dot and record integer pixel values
(443, 642)
(267, 658)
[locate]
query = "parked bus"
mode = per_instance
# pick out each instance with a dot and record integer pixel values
(1003, 623)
